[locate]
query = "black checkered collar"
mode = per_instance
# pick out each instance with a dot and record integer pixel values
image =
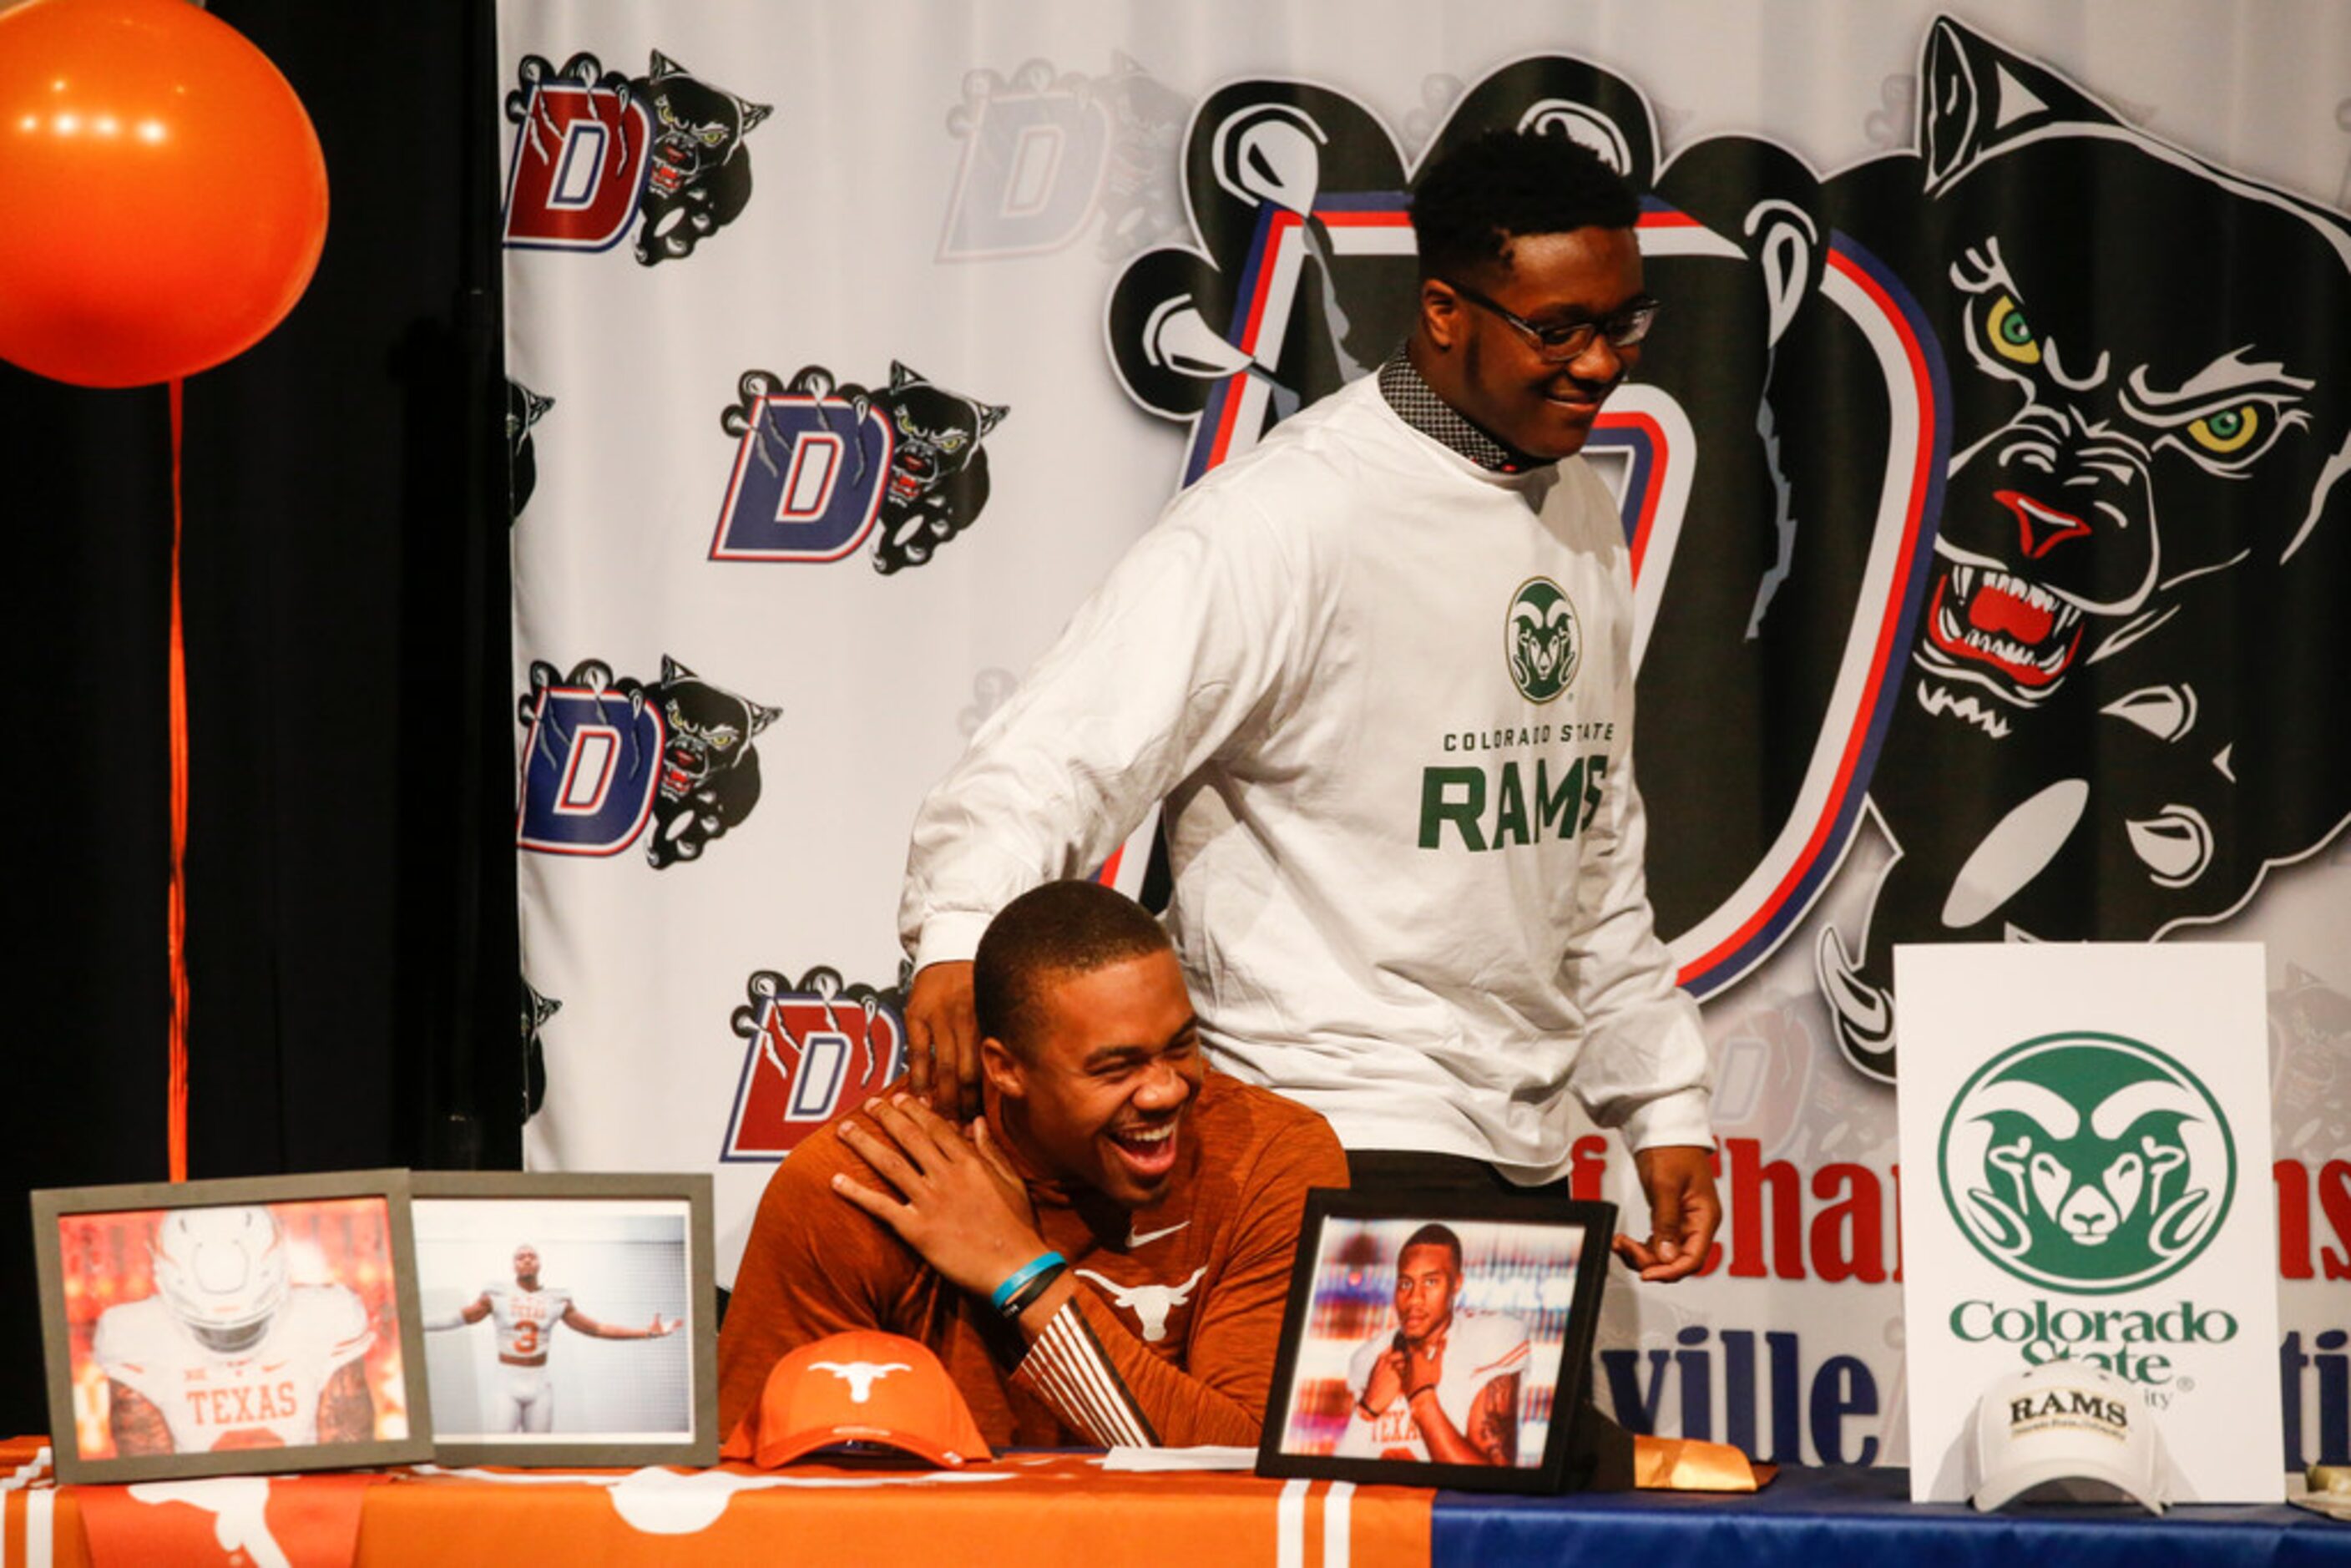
(1417, 405)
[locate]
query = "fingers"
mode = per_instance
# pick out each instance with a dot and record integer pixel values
(929, 1142)
(918, 1053)
(888, 1163)
(943, 1039)
(889, 1211)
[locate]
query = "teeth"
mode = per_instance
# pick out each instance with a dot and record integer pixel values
(1148, 1135)
(1965, 577)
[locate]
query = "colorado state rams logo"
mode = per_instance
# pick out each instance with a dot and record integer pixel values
(2087, 1163)
(594, 150)
(1542, 642)
(813, 1048)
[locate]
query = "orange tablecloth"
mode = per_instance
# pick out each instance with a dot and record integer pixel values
(1026, 1511)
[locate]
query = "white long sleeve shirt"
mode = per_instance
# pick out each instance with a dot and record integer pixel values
(1407, 892)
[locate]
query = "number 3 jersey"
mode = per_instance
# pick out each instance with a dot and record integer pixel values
(524, 1318)
(264, 1396)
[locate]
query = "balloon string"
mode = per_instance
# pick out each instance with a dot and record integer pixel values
(178, 1092)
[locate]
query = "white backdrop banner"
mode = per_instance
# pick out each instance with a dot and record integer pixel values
(1983, 480)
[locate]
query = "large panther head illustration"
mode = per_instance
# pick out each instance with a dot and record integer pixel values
(2133, 408)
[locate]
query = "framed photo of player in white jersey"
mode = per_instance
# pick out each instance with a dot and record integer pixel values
(570, 1319)
(1438, 1340)
(235, 1327)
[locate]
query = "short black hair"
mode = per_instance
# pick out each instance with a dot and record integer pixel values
(1060, 928)
(1468, 204)
(1432, 1235)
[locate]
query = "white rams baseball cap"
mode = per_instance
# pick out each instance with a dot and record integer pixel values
(2067, 1421)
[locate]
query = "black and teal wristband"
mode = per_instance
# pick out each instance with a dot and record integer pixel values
(1028, 1282)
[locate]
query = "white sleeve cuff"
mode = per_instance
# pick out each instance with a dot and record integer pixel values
(949, 936)
(1679, 1118)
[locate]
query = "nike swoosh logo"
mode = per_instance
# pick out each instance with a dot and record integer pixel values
(1144, 1237)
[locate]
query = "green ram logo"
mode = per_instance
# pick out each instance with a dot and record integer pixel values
(1542, 642)
(2087, 1163)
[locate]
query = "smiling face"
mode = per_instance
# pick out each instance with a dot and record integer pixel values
(1098, 1095)
(1426, 1279)
(1489, 370)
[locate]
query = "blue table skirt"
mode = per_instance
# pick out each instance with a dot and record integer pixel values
(1825, 1518)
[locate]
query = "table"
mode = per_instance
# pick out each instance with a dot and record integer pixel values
(1038, 1510)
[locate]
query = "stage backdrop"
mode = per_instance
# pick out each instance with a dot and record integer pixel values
(1985, 478)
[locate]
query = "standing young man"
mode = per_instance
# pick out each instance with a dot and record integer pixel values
(1380, 671)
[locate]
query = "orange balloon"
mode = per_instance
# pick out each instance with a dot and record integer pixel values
(165, 192)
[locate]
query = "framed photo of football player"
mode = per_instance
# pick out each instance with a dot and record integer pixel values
(232, 1327)
(1438, 1340)
(570, 1320)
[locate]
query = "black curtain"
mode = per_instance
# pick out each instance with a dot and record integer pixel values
(350, 905)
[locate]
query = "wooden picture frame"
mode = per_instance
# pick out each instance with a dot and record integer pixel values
(236, 1327)
(531, 1376)
(1488, 1303)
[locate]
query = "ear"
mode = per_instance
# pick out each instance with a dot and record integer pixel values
(991, 414)
(1976, 99)
(1002, 1068)
(761, 718)
(672, 670)
(1441, 313)
(753, 113)
(663, 67)
(901, 377)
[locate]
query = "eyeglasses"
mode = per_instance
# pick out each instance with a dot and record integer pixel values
(1564, 341)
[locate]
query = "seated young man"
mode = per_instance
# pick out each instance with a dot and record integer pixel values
(1172, 1193)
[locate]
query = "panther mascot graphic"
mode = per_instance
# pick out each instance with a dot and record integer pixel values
(937, 480)
(938, 470)
(2117, 710)
(697, 175)
(701, 177)
(525, 408)
(710, 770)
(2000, 497)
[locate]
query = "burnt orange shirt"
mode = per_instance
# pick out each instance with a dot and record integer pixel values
(1182, 1301)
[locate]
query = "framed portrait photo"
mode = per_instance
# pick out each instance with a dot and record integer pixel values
(1436, 1340)
(569, 1319)
(236, 1327)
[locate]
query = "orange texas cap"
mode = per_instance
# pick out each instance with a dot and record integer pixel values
(862, 1387)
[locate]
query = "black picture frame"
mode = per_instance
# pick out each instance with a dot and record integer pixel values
(632, 1243)
(1530, 1271)
(337, 1253)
